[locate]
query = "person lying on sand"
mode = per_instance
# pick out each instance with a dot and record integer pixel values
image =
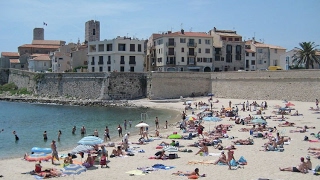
(49, 173)
(301, 168)
(303, 130)
(286, 124)
(173, 143)
(306, 127)
(195, 172)
(220, 147)
(243, 141)
(222, 159)
(314, 149)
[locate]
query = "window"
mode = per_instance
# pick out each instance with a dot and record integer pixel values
(121, 68)
(132, 48)
(191, 60)
(122, 60)
(247, 54)
(217, 58)
(92, 69)
(132, 60)
(100, 69)
(92, 61)
(229, 49)
(199, 59)
(60, 59)
(253, 54)
(181, 69)
(207, 51)
(109, 60)
(22, 65)
(121, 47)
(238, 49)
(236, 39)
(259, 50)
(182, 40)
(132, 69)
(159, 59)
(109, 47)
(224, 38)
(207, 41)
(109, 68)
(139, 47)
(260, 61)
(247, 63)
(229, 58)
(93, 31)
(276, 51)
(199, 50)
(182, 49)
(101, 47)
(230, 39)
(44, 64)
(253, 62)
(100, 60)
(160, 41)
(247, 47)
(182, 59)
(199, 41)
(171, 52)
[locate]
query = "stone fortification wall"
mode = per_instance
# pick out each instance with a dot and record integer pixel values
(4, 76)
(173, 85)
(23, 79)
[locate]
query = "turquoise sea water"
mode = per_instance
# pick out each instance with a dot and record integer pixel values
(31, 120)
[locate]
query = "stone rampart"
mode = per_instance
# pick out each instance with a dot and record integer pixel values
(4, 76)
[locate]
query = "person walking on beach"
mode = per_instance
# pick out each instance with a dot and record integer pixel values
(54, 151)
(45, 137)
(106, 134)
(125, 124)
(74, 130)
(157, 123)
(126, 141)
(317, 103)
(230, 103)
(120, 130)
(83, 130)
(59, 135)
(15, 135)
(130, 123)
(230, 157)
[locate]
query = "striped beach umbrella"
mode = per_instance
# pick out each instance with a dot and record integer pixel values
(90, 140)
(73, 169)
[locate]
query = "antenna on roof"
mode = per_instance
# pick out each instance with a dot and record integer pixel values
(181, 27)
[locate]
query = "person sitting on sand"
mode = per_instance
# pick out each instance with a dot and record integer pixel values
(308, 163)
(222, 159)
(180, 173)
(67, 160)
(37, 167)
(89, 161)
(160, 154)
(118, 151)
(306, 127)
(301, 168)
(203, 149)
(243, 141)
(271, 145)
(173, 143)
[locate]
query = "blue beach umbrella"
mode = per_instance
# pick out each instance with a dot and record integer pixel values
(212, 119)
(90, 140)
(73, 169)
(81, 148)
(259, 121)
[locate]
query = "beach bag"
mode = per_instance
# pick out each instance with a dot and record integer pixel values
(173, 156)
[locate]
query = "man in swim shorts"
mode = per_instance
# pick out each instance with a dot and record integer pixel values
(54, 151)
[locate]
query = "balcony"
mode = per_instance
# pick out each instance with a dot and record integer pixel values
(192, 53)
(218, 52)
(171, 62)
(171, 44)
(100, 62)
(170, 53)
(92, 62)
(192, 44)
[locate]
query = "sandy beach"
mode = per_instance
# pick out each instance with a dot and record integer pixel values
(261, 164)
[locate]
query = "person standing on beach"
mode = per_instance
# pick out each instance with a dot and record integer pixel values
(120, 130)
(45, 137)
(317, 103)
(125, 124)
(230, 103)
(74, 130)
(59, 135)
(83, 130)
(166, 124)
(54, 151)
(95, 133)
(106, 134)
(15, 135)
(130, 123)
(230, 157)
(157, 123)
(126, 141)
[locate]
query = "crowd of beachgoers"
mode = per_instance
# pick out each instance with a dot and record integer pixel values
(263, 138)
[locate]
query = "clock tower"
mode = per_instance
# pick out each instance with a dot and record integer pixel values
(38, 34)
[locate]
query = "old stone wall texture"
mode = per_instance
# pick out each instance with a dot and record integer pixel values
(4, 76)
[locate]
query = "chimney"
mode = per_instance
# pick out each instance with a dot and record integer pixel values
(169, 32)
(182, 31)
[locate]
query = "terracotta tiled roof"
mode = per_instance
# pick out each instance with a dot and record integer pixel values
(262, 45)
(10, 54)
(250, 51)
(47, 42)
(42, 58)
(14, 61)
(185, 34)
(39, 46)
(228, 34)
(36, 55)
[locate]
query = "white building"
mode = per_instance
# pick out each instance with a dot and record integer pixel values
(266, 54)
(121, 54)
(181, 51)
(250, 57)
(39, 63)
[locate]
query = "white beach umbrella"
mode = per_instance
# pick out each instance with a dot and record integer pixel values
(142, 125)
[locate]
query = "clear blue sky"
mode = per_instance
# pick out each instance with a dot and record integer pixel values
(278, 22)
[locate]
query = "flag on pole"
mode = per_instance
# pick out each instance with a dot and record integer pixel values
(45, 24)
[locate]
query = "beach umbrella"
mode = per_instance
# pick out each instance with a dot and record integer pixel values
(175, 136)
(259, 121)
(142, 125)
(228, 108)
(212, 119)
(189, 102)
(90, 140)
(73, 169)
(191, 117)
(289, 104)
(82, 148)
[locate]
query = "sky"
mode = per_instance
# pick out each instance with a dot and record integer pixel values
(284, 23)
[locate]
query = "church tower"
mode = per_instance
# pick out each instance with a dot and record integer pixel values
(92, 31)
(38, 34)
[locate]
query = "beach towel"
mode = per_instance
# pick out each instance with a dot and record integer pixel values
(171, 149)
(242, 161)
(161, 166)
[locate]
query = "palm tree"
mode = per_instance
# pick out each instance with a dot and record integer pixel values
(306, 54)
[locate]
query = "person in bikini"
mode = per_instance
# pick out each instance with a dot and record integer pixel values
(222, 159)
(203, 149)
(301, 168)
(195, 172)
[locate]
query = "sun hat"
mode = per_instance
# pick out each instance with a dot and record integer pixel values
(308, 157)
